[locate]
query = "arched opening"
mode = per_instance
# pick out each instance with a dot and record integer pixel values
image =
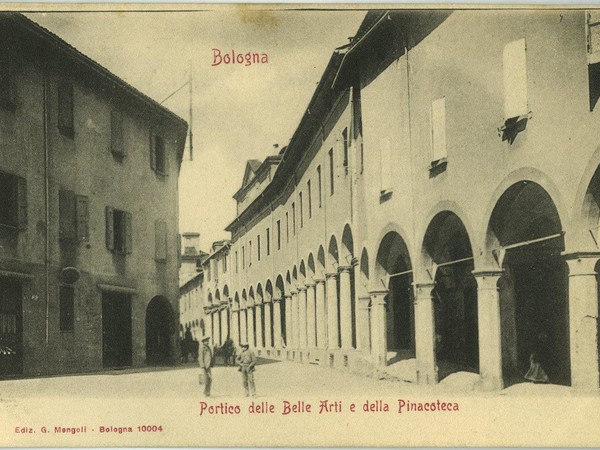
(260, 310)
(269, 298)
(237, 323)
(448, 247)
(333, 262)
(245, 334)
(394, 267)
(348, 260)
(159, 320)
(252, 312)
(280, 293)
(533, 288)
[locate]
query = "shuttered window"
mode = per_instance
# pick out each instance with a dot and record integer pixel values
(158, 154)
(13, 201)
(73, 216)
(117, 146)
(67, 308)
(160, 240)
(65, 107)
(119, 232)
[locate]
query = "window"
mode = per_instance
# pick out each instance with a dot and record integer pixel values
(225, 263)
(319, 177)
(386, 167)
(268, 241)
(250, 253)
(345, 148)
(331, 173)
(515, 79)
(593, 48)
(116, 133)
(258, 246)
(158, 155)
(243, 257)
(216, 264)
(73, 216)
(65, 108)
(209, 270)
(7, 91)
(118, 230)
(287, 227)
(160, 240)
(438, 130)
(294, 219)
(301, 211)
(67, 308)
(13, 201)
(309, 190)
(236, 262)
(279, 235)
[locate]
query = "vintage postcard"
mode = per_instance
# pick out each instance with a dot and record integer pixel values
(299, 225)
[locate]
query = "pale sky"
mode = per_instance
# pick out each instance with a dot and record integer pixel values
(239, 111)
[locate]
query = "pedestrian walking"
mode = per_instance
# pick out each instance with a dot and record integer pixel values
(206, 362)
(247, 362)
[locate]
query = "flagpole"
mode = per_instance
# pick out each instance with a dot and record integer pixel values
(191, 134)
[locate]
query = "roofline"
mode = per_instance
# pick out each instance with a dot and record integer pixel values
(269, 161)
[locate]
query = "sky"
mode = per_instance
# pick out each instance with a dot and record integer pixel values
(239, 112)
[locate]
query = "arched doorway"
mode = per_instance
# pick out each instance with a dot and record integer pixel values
(394, 267)
(525, 235)
(448, 248)
(159, 319)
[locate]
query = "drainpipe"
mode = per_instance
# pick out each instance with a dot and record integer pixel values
(46, 197)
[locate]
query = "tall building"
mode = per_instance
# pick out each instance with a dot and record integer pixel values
(437, 208)
(88, 212)
(191, 286)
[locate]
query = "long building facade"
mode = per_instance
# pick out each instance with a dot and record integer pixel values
(437, 208)
(88, 212)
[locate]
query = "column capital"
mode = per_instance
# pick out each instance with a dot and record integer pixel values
(301, 288)
(344, 268)
(287, 296)
(363, 301)
(293, 292)
(310, 285)
(319, 280)
(489, 273)
(424, 285)
(331, 275)
(582, 263)
(379, 293)
(277, 300)
(267, 299)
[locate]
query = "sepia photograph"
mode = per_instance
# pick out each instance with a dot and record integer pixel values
(297, 225)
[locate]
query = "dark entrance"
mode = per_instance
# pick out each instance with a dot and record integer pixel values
(11, 328)
(116, 330)
(159, 318)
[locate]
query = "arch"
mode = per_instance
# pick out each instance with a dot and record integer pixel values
(210, 298)
(302, 272)
(333, 258)
(280, 293)
(321, 261)
(347, 246)
(259, 293)
(279, 287)
(533, 288)
(393, 269)
(226, 291)
(251, 298)
(288, 281)
(448, 251)
(311, 265)
(217, 296)
(159, 331)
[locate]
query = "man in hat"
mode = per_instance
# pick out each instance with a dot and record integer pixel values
(206, 360)
(247, 361)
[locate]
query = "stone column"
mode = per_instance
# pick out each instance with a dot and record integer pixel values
(251, 327)
(364, 324)
(259, 324)
(224, 326)
(235, 330)
(332, 311)
(302, 317)
(243, 325)
(311, 329)
(321, 313)
(217, 319)
(425, 334)
(295, 326)
(267, 307)
(288, 321)
(277, 322)
(489, 324)
(379, 326)
(583, 320)
(345, 306)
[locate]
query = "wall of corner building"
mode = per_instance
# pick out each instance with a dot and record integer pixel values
(85, 165)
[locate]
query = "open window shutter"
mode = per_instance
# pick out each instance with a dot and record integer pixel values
(152, 151)
(82, 214)
(116, 132)
(110, 232)
(128, 233)
(22, 203)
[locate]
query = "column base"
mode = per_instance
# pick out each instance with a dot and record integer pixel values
(491, 383)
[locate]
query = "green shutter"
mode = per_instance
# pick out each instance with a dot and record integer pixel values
(110, 232)
(22, 203)
(82, 216)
